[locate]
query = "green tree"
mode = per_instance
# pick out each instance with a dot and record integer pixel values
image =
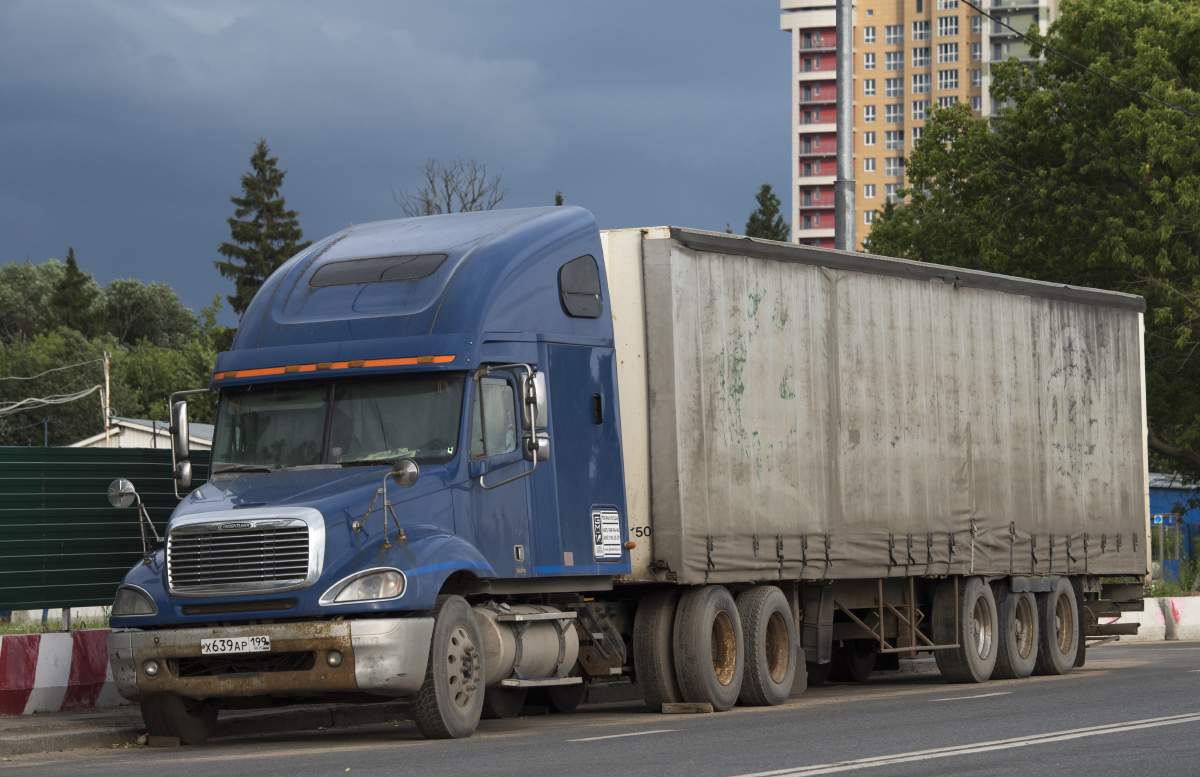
(558, 200)
(765, 221)
(25, 291)
(1082, 182)
(76, 300)
(137, 311)
(267, 239)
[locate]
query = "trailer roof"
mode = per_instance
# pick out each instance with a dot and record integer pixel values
(724, 243)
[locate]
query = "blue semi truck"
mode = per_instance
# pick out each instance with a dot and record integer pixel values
(468, 458)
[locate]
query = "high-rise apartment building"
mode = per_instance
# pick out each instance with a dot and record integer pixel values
(908, 56)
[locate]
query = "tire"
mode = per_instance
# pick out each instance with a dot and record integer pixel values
(1017, 636)
(501, 702)
(854, 661)
(769, 635)
(170, 715)
(653, 648)
(709, 648)
(975, 657)
(565, 698)
(818, 674)
(450, 701)
(1058, 626)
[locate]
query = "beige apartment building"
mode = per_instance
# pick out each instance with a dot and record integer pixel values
(908, 56)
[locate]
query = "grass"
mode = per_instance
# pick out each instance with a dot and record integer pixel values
(1183, 587)
(52, 625)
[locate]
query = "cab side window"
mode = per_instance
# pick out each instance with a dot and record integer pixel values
(493, 419)
(579, 285)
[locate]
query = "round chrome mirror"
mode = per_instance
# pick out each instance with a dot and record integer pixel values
(121, 493)
(405, 473)
(183, 473)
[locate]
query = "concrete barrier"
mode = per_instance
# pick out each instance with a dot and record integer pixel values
(1165, 618)
(55, 671)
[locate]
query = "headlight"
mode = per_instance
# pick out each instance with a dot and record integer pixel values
(132, 600)
(371, 585)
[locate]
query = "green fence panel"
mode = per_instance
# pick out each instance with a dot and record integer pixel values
(61, 543)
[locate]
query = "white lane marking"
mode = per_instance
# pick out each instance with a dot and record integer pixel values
(617, 736)
(978, 747)
(980, 696)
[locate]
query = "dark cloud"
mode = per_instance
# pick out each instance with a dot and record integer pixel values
(125, 126)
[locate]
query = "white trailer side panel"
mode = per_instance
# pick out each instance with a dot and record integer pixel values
(817, 416)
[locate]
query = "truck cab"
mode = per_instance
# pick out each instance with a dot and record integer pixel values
(412, 412)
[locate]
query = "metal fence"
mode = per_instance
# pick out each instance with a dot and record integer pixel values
(61, 543)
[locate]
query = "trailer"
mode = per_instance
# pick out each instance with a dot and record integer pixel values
(479, 458)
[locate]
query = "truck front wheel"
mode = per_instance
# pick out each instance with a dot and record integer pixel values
(450, 701)
(709, 647)
(169, 715)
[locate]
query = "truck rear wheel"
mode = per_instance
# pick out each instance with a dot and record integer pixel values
(1058, 624)
(450, 701)
(854, 661)
(769, 635)
(1017, 643)
(653, 648)
(975, 657)
(503, 702)
(709, 647)
(170, 715)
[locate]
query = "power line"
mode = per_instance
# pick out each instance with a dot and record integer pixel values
(52, 369)
(35, 402)
(1079, 65)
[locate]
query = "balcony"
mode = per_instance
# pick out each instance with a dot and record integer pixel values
(819, 99)
(819, 44)
(818, 152)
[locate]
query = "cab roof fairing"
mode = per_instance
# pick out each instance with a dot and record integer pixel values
(500, 275)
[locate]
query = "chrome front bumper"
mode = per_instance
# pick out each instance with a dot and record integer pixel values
(385, 656)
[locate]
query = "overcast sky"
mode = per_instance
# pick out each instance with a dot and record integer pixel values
(124, 126)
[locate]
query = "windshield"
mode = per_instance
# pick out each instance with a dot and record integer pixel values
(339, 422)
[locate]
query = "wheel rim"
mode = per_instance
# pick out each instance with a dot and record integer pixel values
(462, 668)
(778, 647)
(1064, 625)
(724, 648)
(1023, 620)
(981, 627)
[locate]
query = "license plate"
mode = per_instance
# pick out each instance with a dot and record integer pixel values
(235, 645)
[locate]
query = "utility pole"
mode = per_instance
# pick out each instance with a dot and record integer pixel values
(843, 187)
(46, 432)
(107, 403)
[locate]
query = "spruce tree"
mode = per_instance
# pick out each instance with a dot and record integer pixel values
(765, 222)
(268, 238)
(74, 299)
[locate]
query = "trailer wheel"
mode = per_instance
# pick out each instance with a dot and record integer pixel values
(501, 702)
(450, 701)
(975, 657)
(709, 648)
(1058, 623)
(769, 636)
(1017, 643)
(818, 674)
(854, 661)
(170, 715)
(653, 648)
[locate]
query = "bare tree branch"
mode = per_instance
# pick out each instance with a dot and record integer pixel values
(1171, 451)
(459, 186)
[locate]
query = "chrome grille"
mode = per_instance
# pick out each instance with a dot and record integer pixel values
(260, 558)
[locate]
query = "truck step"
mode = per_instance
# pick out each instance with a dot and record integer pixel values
(539, 682)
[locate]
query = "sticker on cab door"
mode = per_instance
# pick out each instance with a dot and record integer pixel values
(606, 534)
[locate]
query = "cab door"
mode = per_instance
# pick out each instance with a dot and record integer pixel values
(501, 515)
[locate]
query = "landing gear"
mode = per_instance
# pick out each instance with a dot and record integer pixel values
(854, 661)
(450, 701)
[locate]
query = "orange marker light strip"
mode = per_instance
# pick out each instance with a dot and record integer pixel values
(401, 362)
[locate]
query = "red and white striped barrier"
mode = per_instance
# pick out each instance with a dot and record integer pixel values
(52, 672)
(1165, 618)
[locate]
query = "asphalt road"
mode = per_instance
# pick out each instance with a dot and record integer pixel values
(1132, 710)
